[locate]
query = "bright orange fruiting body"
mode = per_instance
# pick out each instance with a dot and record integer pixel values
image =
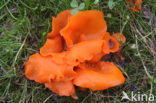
(72, 55)
(135, 5)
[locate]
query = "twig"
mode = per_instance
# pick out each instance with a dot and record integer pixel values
(142, 59)
(47, 98)
(13, 64)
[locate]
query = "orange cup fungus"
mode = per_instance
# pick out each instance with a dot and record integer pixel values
(72, 55)
(135, 5)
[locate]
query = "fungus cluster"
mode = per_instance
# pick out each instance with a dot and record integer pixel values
(72, 55)
(135, 5)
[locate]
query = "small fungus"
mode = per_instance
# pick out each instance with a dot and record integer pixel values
(135, 5)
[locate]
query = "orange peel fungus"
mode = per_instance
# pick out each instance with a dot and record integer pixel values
(71, 55)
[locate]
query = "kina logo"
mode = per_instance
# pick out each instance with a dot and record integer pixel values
(137, 96)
